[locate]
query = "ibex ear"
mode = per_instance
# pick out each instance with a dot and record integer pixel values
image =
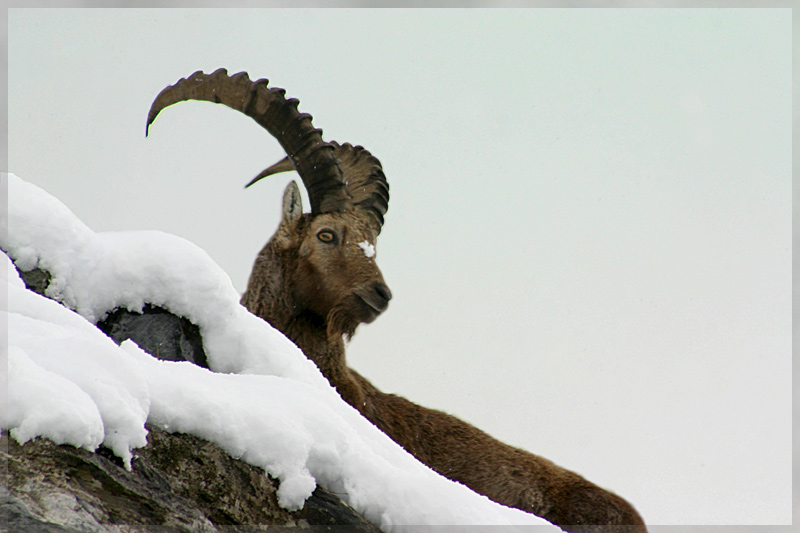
(292, 204)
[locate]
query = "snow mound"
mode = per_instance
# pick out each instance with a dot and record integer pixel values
(265, 403)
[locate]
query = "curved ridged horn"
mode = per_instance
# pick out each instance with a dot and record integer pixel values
(365, 180)
(310, 155)
(362, 173)
(284, 165)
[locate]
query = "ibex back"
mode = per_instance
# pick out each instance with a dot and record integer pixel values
(317, 279)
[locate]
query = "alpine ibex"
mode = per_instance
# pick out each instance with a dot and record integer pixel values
(316, 280)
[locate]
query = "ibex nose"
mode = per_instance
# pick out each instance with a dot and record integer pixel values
(376, 296)
(383, 291)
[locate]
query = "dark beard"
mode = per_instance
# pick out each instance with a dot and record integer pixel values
(344, 318)
(342, 322)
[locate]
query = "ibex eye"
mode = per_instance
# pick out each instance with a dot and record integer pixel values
(326, 236)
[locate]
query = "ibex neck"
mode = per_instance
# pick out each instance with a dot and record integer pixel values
(310, 334)
(308, 331)
(268, 297)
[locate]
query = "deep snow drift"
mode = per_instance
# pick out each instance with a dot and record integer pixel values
(264, 403)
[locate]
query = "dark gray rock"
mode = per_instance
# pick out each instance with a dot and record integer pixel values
(36, 280)
(158, 332)
(178, 482)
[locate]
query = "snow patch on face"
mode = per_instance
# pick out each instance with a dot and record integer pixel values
(369, 250)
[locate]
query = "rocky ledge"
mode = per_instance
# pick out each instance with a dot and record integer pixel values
(178, 482)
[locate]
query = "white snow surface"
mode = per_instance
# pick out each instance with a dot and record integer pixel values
(264, 402)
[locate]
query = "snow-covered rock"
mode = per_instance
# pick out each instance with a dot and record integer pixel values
(262, 401)
(178, 482)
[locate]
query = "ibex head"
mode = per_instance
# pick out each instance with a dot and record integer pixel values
(329, 264)
(321, 263)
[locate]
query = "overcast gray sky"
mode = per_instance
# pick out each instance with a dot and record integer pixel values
(589, 232)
